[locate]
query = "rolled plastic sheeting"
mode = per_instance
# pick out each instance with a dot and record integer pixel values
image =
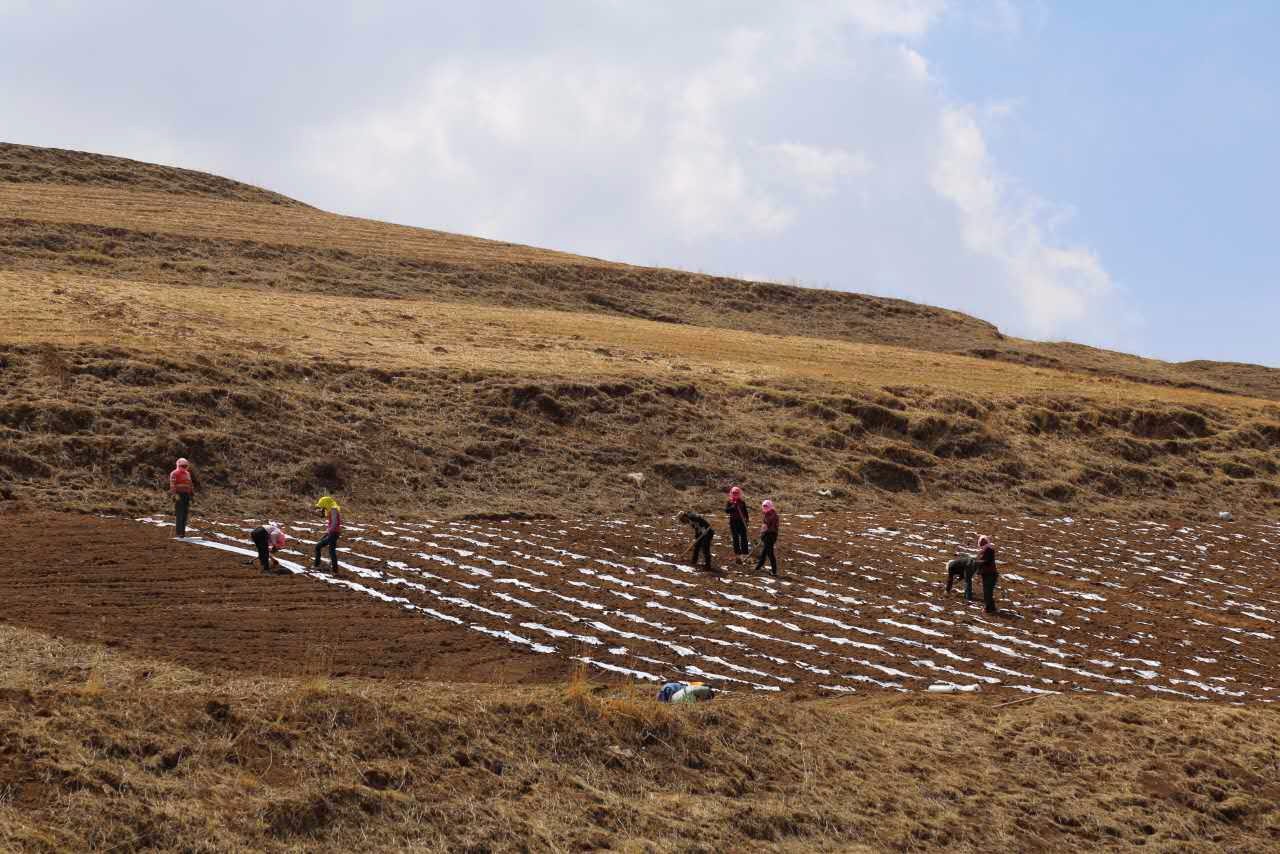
(693, 694)
(941, 688)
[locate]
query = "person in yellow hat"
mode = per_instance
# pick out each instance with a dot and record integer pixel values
(332, 531)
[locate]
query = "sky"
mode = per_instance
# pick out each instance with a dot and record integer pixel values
(1091, 171)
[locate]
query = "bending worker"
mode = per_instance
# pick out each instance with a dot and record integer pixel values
(268, 538)
(702, 536)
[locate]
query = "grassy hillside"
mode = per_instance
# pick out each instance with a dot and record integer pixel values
(72, 212)
(29, 165)
(415, 405)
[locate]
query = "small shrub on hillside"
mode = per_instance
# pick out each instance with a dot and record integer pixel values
(889, 476)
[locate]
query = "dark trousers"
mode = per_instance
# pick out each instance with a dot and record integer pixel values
(962, 567)
(182, 510)
(261, 539)
(767, 541)
(989, 590)
(702, 546)
(741, 544)
(331, 540)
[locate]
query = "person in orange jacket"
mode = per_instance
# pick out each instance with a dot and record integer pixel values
(182, 486)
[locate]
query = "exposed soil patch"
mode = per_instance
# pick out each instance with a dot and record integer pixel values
(128, 586)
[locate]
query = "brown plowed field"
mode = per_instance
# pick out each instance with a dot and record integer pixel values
(129, 586)
(1137, 609)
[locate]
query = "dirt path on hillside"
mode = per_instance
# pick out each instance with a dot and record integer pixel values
(130, 586)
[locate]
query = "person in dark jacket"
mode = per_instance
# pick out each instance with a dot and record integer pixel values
(976, 564)
(738, 515)
(768, 538)
(962, 568)
(986, 566)
(702, 536)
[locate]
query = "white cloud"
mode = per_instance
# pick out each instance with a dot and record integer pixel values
(917, 66)
(1056, 286)
(816, 169)
(807, 143)
(893, 17)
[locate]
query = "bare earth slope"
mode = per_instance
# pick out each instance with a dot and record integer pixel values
(1087, 606)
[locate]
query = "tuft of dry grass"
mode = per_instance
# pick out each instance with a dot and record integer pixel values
(169, 759)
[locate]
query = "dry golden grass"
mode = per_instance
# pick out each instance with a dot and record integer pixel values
(201, 317)
(203, 217)
(72, 212)
(162, 758)
(411, 403)
(26, 164)
(416, 334)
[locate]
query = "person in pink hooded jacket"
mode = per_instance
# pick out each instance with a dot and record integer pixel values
(268, 538)
(736, 510)
(768, 538)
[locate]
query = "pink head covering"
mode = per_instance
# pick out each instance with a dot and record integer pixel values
(984, 540)
(735, 494)
(275, 537)
(182, 462)
(766, 506)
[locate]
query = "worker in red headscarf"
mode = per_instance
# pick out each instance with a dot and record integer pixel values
(768, 538)
(738, 515)
(182, 487)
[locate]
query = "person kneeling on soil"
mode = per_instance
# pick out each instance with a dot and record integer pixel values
(268, 538)
(768, 538)
(736, 509)
(332, 531)
(703, 533)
